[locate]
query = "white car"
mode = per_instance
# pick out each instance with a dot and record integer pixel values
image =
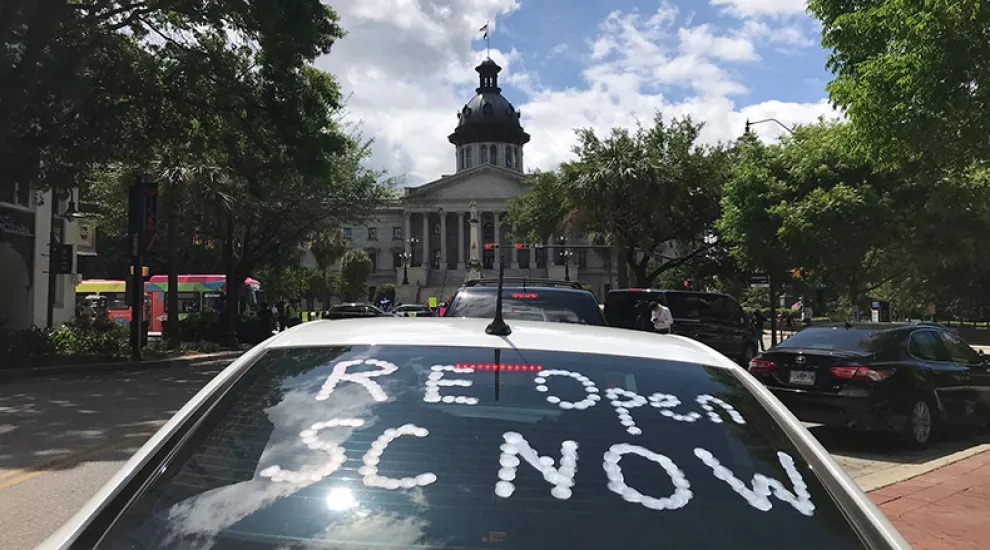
(393, 433)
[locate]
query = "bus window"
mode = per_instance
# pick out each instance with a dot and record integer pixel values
(116, 301)
(211, 300)
(188, 302)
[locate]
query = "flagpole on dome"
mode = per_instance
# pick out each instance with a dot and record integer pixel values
(488, 44)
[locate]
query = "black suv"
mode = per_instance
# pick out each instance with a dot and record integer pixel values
(716, 320)
(528, 300)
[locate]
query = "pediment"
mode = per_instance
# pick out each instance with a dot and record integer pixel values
(479, 183)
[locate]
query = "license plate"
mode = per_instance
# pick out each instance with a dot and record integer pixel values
(803, 378)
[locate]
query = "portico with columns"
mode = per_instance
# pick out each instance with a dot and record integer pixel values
(431, 222)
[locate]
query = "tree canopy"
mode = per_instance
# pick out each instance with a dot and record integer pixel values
(643, 189)
(912, 75)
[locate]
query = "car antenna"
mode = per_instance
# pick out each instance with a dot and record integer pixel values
(498, 327)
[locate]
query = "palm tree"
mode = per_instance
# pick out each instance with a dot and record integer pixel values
(327, 246)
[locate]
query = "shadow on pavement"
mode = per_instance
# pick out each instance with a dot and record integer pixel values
(43, 419)
(887, 447)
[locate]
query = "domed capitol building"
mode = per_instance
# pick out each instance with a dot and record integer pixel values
(431, 222)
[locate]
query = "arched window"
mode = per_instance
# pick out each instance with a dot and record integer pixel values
(494, 154)
(508, 156)
(468, 158)
(483, 155)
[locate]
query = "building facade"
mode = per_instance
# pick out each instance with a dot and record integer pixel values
(27, 227)
(422, 238)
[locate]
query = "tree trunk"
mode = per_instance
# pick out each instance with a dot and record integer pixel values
(172, 224)
(229, 335)
(622, 271)
(853, 298)
(773, 310)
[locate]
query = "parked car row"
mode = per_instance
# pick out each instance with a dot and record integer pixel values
(909, 379)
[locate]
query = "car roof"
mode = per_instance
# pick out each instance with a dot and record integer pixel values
(470, 332)
(534, 288)
(618, 291)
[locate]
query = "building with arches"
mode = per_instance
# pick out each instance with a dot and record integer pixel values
(27, 227)
(431, 222)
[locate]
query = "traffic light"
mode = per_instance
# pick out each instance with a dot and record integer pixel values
(491, 246)
(144, 271)
(798, 273)
(687, 283)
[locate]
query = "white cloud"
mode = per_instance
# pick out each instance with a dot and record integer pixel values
(790, 35)
(410, 66)
(748, 8)
(700, 41)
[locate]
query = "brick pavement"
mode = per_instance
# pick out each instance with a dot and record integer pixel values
(945, 509)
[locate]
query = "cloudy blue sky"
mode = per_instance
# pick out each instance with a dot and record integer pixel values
(408, 66)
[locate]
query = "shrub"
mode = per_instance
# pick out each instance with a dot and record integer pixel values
(106, 340)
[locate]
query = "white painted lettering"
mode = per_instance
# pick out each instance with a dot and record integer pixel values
(561, 478)
(622, 407)
(763, 486)
(364, 378)
(617, 484)
(707, 402)
(665, 402)
(373, 456)
(309, 438)
(590, 388)
(436, 381)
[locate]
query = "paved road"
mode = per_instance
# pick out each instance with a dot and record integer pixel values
(62, 437)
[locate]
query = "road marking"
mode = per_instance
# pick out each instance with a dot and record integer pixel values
(65, 461)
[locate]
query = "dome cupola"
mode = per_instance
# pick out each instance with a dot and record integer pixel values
(489, 124)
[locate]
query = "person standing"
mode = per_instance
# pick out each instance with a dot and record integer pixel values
(759, 320)
(661, 317)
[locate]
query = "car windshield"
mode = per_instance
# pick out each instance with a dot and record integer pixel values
(452, 447)
(861, 340)
(557, 306)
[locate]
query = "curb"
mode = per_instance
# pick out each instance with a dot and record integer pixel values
(904, 472)
(12, 374)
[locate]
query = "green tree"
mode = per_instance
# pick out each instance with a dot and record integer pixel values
(846, 216)
(912, 75)
(327, 246)
(355, 269)
(85, 83)
(644, 189)
(751, 221)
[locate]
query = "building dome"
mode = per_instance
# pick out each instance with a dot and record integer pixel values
(488, 116)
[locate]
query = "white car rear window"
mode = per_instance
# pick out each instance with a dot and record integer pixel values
(445, 447)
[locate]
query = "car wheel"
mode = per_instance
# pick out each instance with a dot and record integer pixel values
(747, 356)
(920, 426)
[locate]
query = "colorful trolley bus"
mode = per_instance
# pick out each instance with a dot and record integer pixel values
(196, 293)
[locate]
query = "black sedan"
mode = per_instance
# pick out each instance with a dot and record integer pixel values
(909, 379)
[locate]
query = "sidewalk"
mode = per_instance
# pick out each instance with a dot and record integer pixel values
(945, 509)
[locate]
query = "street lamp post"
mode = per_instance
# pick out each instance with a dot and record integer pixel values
(54, 240)
(566, 255)
(407, 258)
(779, 123)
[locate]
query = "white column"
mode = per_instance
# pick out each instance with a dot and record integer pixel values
(427, 253)
(460, 240)
(515, 252)
(498, 236)
(407, 234)
(443, 240)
